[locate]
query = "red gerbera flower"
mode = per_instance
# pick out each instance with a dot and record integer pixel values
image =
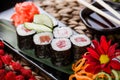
(101, 56)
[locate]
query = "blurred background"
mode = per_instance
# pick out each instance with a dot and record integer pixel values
(6, 4)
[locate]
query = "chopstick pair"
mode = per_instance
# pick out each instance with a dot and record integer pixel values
(100, 12)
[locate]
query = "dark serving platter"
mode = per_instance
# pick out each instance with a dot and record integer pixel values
(18, 56)
(8, 34)
(98, 24)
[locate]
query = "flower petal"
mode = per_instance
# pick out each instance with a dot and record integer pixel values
(89, 58)
(97, 69)
(109, 42)
(93, 53)
(115, 64)
(111, 50)
(90, 69)
(106, 68)
(117, 53)
(100, 51)
(97, 47)
(117, 50)
(95, 43)
(104, 44)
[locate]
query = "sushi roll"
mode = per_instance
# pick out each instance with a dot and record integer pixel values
(42, 44)
(62, 32)
(25, 37)
(61, 54)
(79, 44)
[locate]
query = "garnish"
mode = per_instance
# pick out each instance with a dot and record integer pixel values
(43, 19)
(24, 12)
(79, 71)
(37, 27)
(11, 70)
(98, 63)
(101, 56)
(102, 76)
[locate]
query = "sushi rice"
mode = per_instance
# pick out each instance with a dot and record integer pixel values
(80, 40)
(62, 32)
(38, 41)
(22, 31)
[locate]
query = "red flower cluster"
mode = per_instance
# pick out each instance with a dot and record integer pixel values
(15, 71)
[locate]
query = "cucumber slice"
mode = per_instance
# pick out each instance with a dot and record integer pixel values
(37, 27)
(43, 19)
(115, 73)
(101, 73)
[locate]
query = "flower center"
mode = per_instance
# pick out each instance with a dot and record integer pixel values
(104, 59)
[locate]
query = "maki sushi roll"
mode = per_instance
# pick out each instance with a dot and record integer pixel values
(62, 32)
(25, 37)
(79, 44)
(61, 54)
(42, 44)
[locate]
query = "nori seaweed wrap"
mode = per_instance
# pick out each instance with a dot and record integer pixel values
(61, 52)
(79, 44)
(42, 44)
(25, 37)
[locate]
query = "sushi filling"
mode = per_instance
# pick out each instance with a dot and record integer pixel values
(61, 44)
(62, 32)
(43, 38)
(80, 40)
(22, 31)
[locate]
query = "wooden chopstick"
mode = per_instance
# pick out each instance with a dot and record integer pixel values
(109, 8)
(100, 12)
